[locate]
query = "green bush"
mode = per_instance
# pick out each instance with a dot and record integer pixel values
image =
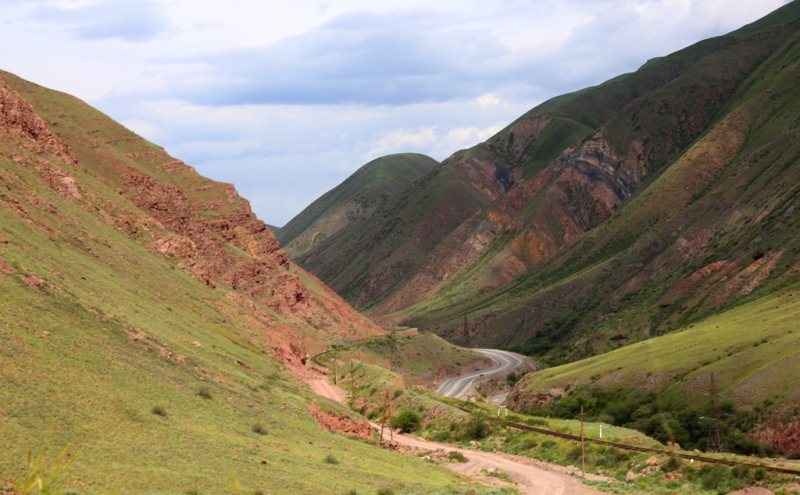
(477, 427)
(406, 420)
(457, 456)
(330, 459)
(159, 411)
(259, 428)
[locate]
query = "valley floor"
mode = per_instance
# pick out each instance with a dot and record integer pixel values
(531, 477)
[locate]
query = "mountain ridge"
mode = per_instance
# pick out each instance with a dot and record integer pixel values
(510, 210)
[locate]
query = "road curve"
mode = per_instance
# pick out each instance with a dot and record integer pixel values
(504, 363)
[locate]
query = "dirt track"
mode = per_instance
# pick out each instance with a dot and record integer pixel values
(531, 477)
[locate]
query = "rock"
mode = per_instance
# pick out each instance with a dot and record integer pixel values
(630, 476)
(19, 120)
(673, 476)
(653, 461)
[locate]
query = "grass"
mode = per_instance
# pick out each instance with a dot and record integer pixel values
(421, 358)
(441, 422)
(739, 366)
(749, 349)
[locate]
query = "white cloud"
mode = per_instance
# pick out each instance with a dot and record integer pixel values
(361, 78)
(488, 100)
(403, 140)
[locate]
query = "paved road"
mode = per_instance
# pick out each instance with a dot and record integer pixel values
(504, 363)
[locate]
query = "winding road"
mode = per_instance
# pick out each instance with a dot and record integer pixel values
(504, 363)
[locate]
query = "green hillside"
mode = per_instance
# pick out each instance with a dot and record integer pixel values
(354, 200)
(150, 324)
(744, 359)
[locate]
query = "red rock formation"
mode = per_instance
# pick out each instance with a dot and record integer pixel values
(18, 120)
(783, 436)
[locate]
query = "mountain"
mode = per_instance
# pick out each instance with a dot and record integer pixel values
(153, 327)
(353, 201)
(601, 217)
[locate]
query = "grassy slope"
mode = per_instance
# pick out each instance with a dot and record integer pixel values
(751, 350)
(96, 330)
(424, 359)
(368, 188)
(392, 243)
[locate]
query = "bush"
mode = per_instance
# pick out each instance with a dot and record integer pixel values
(672, 464)
(330, 459)
(512, 379)
(385, 491)
(407, 421)
(457, 456)
(204, 393)
(476, 428)
(259, 428)
(159, 411)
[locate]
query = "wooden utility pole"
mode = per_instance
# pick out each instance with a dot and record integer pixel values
(583, 449)
(334, 370)
(385, 414)
(714, 435)
(352, 381)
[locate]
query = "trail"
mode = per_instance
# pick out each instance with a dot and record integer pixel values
(531, 477)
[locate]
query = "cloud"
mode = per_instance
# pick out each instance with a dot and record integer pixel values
(126, 20)
(400, 140)
(287, 100)
(488, 100)
(360, 58)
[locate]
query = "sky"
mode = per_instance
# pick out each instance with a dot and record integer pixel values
(286, 99)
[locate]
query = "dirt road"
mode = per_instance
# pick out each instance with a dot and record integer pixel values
(531, 477)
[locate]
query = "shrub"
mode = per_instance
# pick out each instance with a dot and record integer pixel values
(330, 459)
(385, 491)
(457, 456)
(159, 411)
(407, 421)
(672, 464)
(259, 428)
(476, 427)
(204, 392)
(512, 379)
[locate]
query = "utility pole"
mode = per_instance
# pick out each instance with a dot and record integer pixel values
(713, 415)
(583, 449)
(352, 381)
(385, 414)
(334, 370)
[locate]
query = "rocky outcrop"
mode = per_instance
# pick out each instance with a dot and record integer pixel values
(781, 435)
(19, 121)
